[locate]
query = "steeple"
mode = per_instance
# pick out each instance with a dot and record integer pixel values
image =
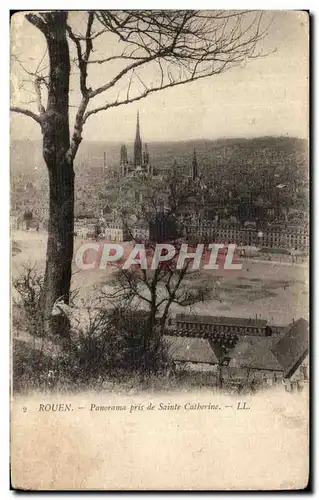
(123, 160)
(194, 167)
(146, 157)
(138, 144)
(123, 155)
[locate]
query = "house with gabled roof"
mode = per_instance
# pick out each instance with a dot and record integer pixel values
(190, 350)
(292, 349)
(274, 358)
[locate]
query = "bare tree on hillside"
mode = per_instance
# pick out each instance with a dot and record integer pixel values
(155, 291)
(139, 52)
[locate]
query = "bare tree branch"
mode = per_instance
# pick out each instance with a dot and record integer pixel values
(185, 46)
(114, 58)
(37, 85)
(82, 62)
(38, 21)
(83, 58)
(26, 112)
(37, 80)
(116, 103)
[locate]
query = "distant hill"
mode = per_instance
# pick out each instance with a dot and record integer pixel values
(27, 155)
(236, 165)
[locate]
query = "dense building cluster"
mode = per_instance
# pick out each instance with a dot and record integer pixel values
(188, 202)
(280, 236)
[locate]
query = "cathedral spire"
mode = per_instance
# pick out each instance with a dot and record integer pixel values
(138, 124)
(194, 166)
(138, 144)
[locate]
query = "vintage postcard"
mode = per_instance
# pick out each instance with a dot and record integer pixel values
(160, 242)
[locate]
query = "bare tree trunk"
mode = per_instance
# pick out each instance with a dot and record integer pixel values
(56, 142)
(149, 338)
(60, 241)
(220, 376)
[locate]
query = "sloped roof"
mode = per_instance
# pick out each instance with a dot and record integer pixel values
(254, 352)
(218, 350)
(239, 352)
(269, 353)
(264, 360)
(85, 215)
(189, 349)
(292, 348)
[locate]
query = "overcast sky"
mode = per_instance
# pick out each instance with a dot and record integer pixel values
(267, 96)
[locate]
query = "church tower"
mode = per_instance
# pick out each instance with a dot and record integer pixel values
(138, 144)
(123, 155)
(124, 160)
(194, 167)
(146, 157)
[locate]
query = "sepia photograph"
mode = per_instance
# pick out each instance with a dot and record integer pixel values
(159, 226)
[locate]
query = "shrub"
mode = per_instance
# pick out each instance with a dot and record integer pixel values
(27, 306)
(109, 345)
